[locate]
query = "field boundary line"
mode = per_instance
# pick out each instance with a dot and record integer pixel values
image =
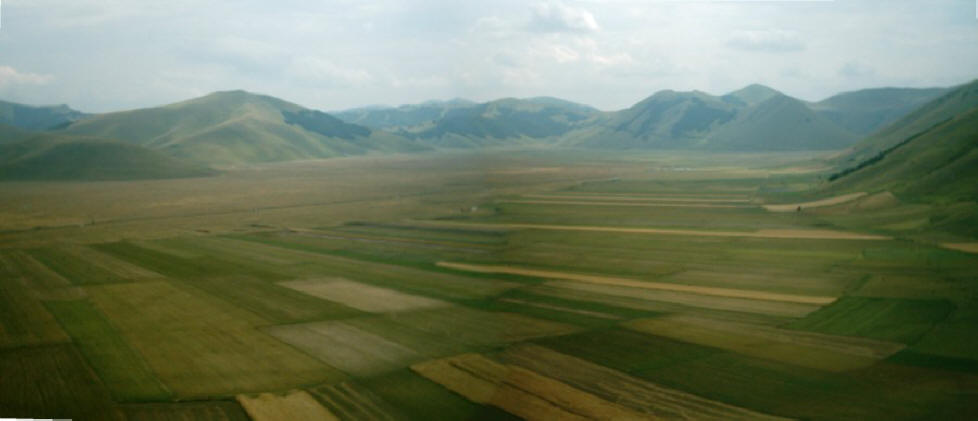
(837, 200)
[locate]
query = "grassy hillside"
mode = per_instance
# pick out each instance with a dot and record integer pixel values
(756, 118)
(10, 134)
(503, 122)
(37, 117)
(949, 105)
(239, 127)
(51, 157)
(938, 165)
(866, 111)
(404, 116)
(780, 123)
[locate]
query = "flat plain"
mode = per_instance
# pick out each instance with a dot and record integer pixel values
(529, 284)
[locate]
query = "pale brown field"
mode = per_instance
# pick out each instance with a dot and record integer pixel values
(345, 347)
(362, 296)
(661, 300)
(117, 266)
(812, 234)
(623, 389)
(965, 247)
(520, 391)
(807, 349)
(633, 283)
(837, 200)
(294, 406)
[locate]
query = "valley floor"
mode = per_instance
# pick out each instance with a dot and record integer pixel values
(530, 284)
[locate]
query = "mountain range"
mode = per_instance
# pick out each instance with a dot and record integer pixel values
(239, 128)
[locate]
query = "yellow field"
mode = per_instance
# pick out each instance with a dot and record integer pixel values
(294, 406)
(520, 391)
(623, 389)
(965, 247)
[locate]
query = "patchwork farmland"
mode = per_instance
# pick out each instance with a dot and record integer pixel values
(589, 291)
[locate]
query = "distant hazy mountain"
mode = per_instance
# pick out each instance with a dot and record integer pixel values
(380, 117)
(502, 122)
(866, 111)
(37, 117)
(756, 118)
(953, 103)
(56, 157)
(239, 127)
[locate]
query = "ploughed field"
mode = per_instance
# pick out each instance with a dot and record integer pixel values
(482, 290)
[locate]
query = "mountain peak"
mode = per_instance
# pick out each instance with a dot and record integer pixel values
(754, 93)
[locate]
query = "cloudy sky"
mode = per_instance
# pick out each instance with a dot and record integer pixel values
(103, 55)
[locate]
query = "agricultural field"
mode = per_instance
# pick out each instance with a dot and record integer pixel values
(530, 284)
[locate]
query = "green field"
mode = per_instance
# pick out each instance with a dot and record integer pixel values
(375, 291)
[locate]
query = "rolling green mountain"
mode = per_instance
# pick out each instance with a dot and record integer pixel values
(668, 119)
(403, 116)
(10, 134)
(503, 122)
(756, 118)
(866, 111)
(57, 157)
(238, 127)
(779, 123)
(953, 103)
(37, 117)
(939, 164)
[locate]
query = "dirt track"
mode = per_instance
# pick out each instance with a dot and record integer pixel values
(792, 207)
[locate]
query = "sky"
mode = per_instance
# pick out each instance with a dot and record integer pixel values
(106, 55)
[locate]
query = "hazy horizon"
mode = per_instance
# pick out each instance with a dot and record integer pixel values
(100, 56)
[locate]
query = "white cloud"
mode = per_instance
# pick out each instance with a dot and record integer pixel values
(767, 40)
(322, 70)
(11, 76)
(555, 16)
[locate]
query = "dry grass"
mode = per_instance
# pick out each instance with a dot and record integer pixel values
(521, 392)
(632, 283)
(837, 200)
(362, 296)
(636, 198)
(293, 406)
(806, 349)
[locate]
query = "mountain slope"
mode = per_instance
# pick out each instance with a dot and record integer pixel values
(402, 116)
(865, 111)
(239, 127)
(502, 122)
(779, 123)
(939, 164)
(37, 117)
(953, 103)
(54, 157)
(9, 134)
(756, 118)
